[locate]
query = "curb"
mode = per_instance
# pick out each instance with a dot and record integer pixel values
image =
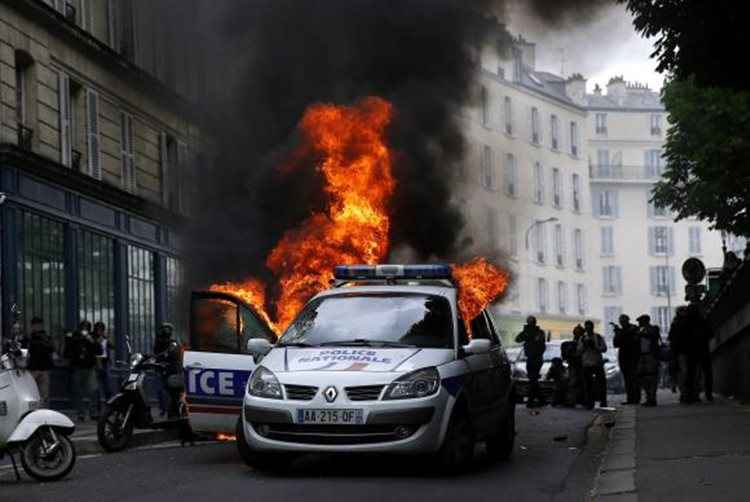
(615, 481)
(90, 446)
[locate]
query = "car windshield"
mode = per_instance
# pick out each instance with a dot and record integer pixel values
(382, 320)
(551, 351)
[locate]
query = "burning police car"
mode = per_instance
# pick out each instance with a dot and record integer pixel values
(380, 363)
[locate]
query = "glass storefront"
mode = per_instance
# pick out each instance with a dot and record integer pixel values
(41, 271)
(141, 302)
(96, 269)
(175, 313)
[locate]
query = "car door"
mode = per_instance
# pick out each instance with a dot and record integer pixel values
(502, 366)
(216, 366)
(482, 371)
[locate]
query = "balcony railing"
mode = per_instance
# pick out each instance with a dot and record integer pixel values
(25, 136)
(630, 172)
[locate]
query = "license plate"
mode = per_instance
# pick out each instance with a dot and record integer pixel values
(335, 417)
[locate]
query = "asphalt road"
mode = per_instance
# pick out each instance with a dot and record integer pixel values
(550, 463)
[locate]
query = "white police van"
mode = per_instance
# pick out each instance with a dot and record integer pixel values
(216, 367)
(380, 363)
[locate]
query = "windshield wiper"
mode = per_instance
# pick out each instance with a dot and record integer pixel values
(361, 342)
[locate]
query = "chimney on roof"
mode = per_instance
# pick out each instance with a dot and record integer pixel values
(597, 90)
(527, 51)
(617, 89)
(575, 88)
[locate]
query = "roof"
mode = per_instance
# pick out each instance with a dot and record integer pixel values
(633, 100)
(546, 83)
(446, 291)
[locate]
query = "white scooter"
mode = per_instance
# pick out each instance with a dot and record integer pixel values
(39, 436)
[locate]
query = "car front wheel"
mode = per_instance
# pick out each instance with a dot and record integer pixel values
(458, 447)
(500, 445)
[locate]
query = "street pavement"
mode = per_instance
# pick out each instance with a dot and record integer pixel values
(552, 462)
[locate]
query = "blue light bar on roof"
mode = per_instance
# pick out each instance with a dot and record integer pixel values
(349, 272)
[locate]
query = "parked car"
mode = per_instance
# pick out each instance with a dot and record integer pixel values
(522, 379)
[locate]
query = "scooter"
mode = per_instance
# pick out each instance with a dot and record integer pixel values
(130, 409)
(39, 436)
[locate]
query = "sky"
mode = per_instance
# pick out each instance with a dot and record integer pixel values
(598, 49)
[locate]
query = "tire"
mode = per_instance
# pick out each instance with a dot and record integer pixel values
(500, 445)
(260, 461)
(48, 466)
(109, 431)
(457, 451)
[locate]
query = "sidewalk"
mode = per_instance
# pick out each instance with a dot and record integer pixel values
(676, 453)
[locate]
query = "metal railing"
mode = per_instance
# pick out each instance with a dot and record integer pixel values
(627, 172)
(25, 136)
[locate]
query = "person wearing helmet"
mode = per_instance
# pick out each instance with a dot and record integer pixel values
(534, 345)
(167, 352)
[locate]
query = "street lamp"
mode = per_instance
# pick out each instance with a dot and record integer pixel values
(538, 222)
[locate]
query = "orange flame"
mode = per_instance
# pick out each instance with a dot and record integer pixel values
(252, 291)
(479, 284)
(220, 436)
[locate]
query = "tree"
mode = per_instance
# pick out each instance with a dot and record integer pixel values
(696, 38)
(708, 155)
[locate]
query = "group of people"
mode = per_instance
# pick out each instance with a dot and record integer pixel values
(579, 376)
(689, 338)
(89, 351)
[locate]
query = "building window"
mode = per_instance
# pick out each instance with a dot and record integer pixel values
(611, 315)
(652, 161)
(487, 168)
(694, 241)
(662, 280)
(25, 99)
(554, 128)
(612, 280)
(484, 96)
(41, 271)
(574, 139)
(608, 242)
(513, 234)
(535, 126)
(70, 95)
(492, 228)
(174, 313)
(538, 183)
(655, 211)
(93, 152)
(661, 241)
(662, 317)
(556, 188)
(540, 243)
(576, 193)
(141, 304)
(601, 123)
(541, 295)
(96, 277)
(578, 248)
(559, 243)
(127, 154)
(581, 303)
(173, 154)
(562, 297)
(606, 204)
(510, 178)
(508, 112)
(602, 162)
(656, 124)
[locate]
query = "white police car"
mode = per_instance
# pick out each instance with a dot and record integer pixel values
(380, 363)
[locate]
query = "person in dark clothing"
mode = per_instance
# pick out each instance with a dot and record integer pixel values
(81, 350)
(558, 374)
(679, 341)
(569, 352)
(626, 342)
(167, 352)
(698, 355)
(40, 362)
(591, 346)
(648, 362)
(534, 345)
(103, 353)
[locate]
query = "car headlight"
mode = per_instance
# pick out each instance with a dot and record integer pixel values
(420, 383)
(264, 383)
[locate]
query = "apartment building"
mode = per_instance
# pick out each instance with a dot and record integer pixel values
(92, 143)
(640, 247)
(527, 190)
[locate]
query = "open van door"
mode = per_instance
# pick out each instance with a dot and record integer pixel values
(216, 365)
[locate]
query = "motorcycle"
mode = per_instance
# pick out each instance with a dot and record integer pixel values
(39, 436)
(130, 408)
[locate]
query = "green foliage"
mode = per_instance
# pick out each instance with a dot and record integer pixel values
(708, 155)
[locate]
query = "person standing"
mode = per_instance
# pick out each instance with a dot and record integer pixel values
(626, 342)
(569, 352)
(534, 345)
(41, 350)
(698, 356)
(591, 346)
(103, 353)
(167, 352)
(679, 344)
(648, 360)
(81, 350)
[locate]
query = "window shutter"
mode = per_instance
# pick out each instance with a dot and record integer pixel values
(112, 23)
(655, 315)
(596, 203)
(65, 116)
(618, 280)
(672, 281)
(651, 241)
(92, 131)
(60, 5)
(615, 203)
(166, 175)
(182, 158)
(670, 241)
(652, 279)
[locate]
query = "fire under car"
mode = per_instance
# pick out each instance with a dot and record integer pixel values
(380, 363)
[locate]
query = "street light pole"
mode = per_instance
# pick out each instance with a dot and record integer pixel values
(537, 222)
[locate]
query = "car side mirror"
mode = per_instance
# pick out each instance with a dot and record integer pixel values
(258, 348)
(477, 346)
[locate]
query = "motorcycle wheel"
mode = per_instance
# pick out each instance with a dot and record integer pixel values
(110, 431)
(44, 465)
